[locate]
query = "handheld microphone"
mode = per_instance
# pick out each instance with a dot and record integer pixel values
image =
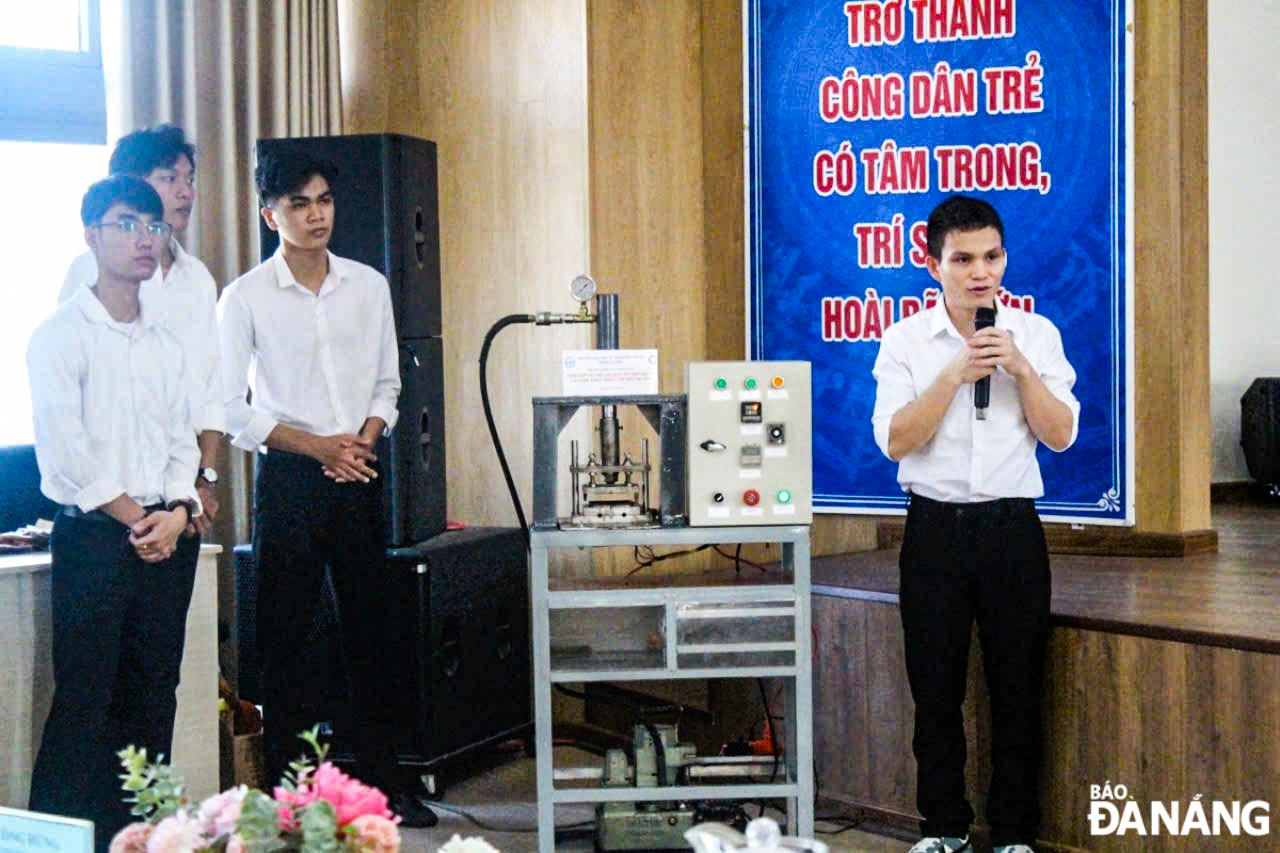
(984, 319)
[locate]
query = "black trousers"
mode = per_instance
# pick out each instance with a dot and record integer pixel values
(119, 625)
(303, 522)
(988, 562)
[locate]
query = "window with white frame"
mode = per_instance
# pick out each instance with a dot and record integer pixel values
(52, 146)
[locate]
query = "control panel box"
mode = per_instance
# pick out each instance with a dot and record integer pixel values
(750, 451)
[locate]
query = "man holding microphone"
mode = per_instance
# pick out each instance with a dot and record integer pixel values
(974, 548)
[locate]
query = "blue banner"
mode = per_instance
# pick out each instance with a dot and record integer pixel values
(862, 117)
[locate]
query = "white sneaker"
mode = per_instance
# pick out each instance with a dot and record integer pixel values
(946, 844)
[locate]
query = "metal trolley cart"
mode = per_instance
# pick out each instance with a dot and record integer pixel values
(679, 630)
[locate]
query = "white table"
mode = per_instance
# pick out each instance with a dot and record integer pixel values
(26, 676)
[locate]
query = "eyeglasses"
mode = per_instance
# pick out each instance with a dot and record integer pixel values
(130, 227)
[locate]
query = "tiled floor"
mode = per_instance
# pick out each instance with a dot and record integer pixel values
(503, 800)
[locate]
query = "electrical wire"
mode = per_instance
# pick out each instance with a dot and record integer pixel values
(773, 729)
(643, 562)
(645, 557)
(488, 827)
(659, 754)
(509, 320)
(852, 823)
(738, 559)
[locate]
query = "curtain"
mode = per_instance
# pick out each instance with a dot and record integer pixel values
(229, 73)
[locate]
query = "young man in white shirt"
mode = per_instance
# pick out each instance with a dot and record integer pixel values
(974, 547)
(116, 448)
(181, 294)
(318, 333)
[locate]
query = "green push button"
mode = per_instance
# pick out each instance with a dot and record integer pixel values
(751, 383)
(722, 383)
(784, 496)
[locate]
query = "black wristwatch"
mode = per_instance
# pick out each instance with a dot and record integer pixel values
(209, 475)
(187, 502)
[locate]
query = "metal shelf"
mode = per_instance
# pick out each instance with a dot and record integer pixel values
(659, 658)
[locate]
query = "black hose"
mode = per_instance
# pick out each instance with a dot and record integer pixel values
(509, 320)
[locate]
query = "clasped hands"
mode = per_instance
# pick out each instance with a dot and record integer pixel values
(155, 535)
(346, 457)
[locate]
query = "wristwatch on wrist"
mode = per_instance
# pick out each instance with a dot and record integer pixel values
(209, 475)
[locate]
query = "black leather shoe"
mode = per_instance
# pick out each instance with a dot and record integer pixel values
(413, 813)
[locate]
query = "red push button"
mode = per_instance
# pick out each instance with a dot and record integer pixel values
(751, 497)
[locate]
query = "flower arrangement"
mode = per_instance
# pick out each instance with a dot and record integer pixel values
(316, 808)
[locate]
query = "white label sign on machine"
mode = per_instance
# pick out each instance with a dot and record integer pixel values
(608, 372)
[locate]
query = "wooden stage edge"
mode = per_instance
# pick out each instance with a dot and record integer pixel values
(1097, 541)
(1122, 541)
(1224, 598)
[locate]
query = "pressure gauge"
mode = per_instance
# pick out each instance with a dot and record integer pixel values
(582, 288)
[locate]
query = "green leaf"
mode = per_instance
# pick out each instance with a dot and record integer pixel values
(320, 828)
(312, 737)
(156, 791)
(258, 825)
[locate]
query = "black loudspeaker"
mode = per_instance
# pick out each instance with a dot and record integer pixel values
(466, 632)
(1260, 429)
(413, 483)
(461, 622)
(385, 216)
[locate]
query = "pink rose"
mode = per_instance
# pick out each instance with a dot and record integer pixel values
(219, 813)
(376, 834)
(178, 833)
(349, 797)
(284, 816)
(131, 839)
(235, 844)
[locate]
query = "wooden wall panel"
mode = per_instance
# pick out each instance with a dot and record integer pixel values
(646, 174)
(1168, 720)
(500, 87)
(1171, 292)
(723, 184)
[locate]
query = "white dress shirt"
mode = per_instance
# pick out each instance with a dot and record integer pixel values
(183, 301)
(319, 362)
(110, 406)
(969, 460)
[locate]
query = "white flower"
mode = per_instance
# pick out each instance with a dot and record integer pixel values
(178, 833)
(458, 844)
(219, 813)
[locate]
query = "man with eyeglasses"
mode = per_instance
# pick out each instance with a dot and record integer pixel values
(181, 294)
(116, 448)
